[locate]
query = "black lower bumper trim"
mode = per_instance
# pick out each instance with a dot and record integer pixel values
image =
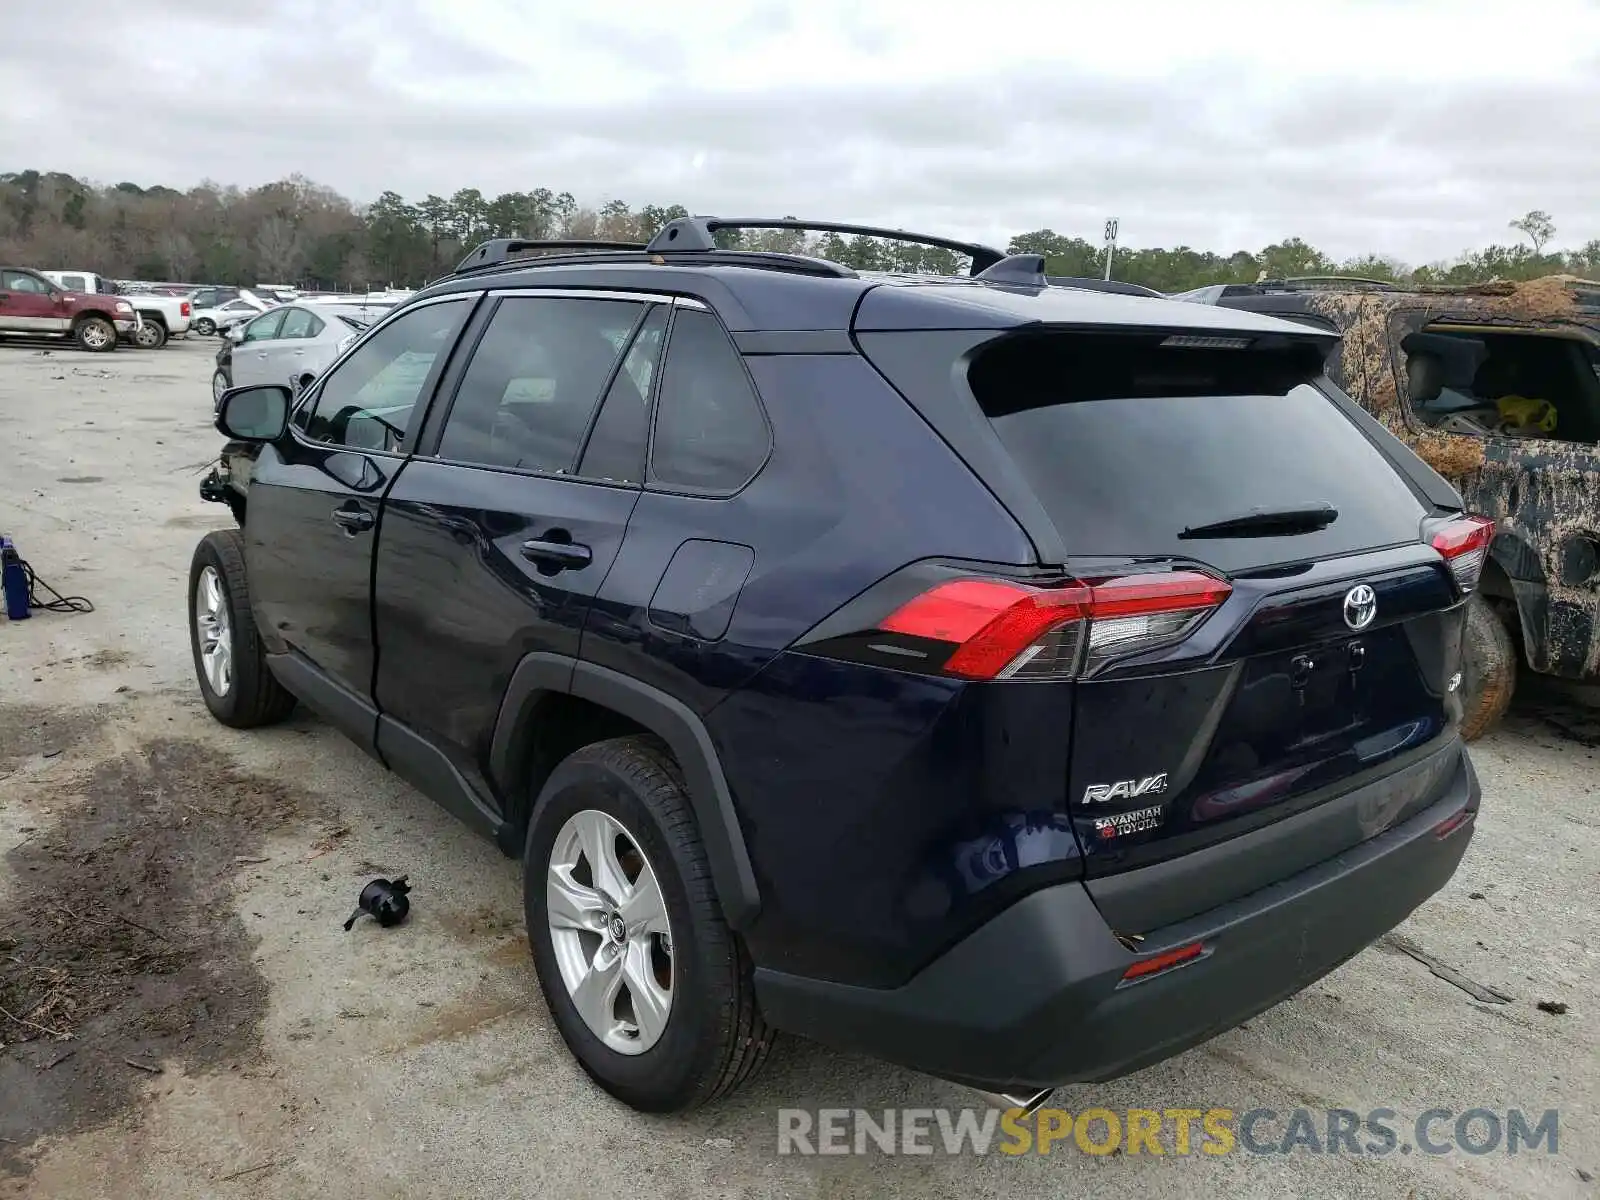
(1036, 997)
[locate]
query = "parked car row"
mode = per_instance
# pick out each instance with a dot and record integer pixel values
(99, 313)
(34, 305)
(291, 344)
(160, 316)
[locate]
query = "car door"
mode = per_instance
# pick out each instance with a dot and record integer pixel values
(492, 548)
(281, 355)
(28, 304)
(313, 505)
(251, 354)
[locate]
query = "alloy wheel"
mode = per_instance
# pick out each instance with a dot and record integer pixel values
(610, 932)
(213, 631)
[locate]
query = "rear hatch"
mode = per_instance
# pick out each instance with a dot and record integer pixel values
(1260, 617)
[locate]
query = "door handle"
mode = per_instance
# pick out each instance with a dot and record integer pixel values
(353, 520)
(560, 555)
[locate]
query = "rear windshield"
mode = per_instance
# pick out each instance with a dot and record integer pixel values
(1127, 443)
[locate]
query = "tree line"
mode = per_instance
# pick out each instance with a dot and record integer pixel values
(298, 232)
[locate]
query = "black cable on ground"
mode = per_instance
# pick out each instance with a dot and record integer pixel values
(61, 604)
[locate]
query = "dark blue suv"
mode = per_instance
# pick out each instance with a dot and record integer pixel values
(1016, 681)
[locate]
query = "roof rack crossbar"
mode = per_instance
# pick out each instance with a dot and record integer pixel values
(498, 250)
(686, 234)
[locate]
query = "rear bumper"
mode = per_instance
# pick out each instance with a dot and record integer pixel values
(1036, 997)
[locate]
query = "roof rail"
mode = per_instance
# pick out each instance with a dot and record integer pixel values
(797, 264)
(1088, 283)
(498, 250)
(696, 234)
(1288, 283)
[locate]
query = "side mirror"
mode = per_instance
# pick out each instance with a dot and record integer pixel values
(254, 414)
(235, 333)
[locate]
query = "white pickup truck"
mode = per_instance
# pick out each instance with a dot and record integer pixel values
(160, 317)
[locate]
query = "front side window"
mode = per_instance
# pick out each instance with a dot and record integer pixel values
(527, 395)
(366, 402)
(21, 281)
(710, 433)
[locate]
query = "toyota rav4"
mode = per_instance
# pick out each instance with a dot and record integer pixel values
(1018, 682)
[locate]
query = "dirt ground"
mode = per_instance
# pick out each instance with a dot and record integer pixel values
(183, 1015)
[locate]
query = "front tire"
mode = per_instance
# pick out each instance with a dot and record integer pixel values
(95, 334)
(1488, 669)
(219, 384)
(229, 660)
(151, 335)
(651, 990)
(205, 326)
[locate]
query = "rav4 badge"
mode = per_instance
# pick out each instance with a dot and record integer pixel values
(1125, 789)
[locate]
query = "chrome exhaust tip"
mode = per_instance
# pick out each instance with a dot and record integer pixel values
(1029, 1102)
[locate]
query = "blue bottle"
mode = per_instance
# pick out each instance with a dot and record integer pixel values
(13, 579)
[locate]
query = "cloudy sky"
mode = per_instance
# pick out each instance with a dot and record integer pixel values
(1410, 128)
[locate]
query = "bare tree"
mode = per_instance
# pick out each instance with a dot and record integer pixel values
(280, 252)
(1537, 227)
(177, 251)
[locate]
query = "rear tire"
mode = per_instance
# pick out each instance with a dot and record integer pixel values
(95, 334)
(229, 660)
(1488, 669)
(151, 335)
(713, 1038)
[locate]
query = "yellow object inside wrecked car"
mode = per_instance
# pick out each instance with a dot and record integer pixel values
(1524, 414)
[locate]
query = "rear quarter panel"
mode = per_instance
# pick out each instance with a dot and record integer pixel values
(855, 788)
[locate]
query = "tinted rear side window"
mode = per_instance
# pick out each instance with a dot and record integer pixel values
(710, 433)
(1127, 443)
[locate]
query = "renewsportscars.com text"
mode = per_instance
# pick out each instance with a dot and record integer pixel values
(1170, 1131)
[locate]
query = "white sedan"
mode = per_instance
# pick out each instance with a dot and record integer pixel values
(213, 320)
(294, 343)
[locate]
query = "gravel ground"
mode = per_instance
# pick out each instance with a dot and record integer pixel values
(172, 893)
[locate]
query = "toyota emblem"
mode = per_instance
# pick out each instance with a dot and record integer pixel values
(1360, 606)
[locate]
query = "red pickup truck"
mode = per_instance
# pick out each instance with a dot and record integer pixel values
(33, 306)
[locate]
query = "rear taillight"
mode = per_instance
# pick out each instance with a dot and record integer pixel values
(1464, 543)
(184, 308)
(1003, 629)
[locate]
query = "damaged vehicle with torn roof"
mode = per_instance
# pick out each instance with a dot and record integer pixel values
(1018, 682)
(1497, 386)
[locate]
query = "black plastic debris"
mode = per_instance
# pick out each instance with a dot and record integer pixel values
(385, 899)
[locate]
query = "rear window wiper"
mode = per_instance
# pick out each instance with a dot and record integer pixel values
(1267, 522)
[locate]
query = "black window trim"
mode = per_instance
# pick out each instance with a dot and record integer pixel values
(493, 299)
(645, 313)
(679, 489)
(312, 394)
